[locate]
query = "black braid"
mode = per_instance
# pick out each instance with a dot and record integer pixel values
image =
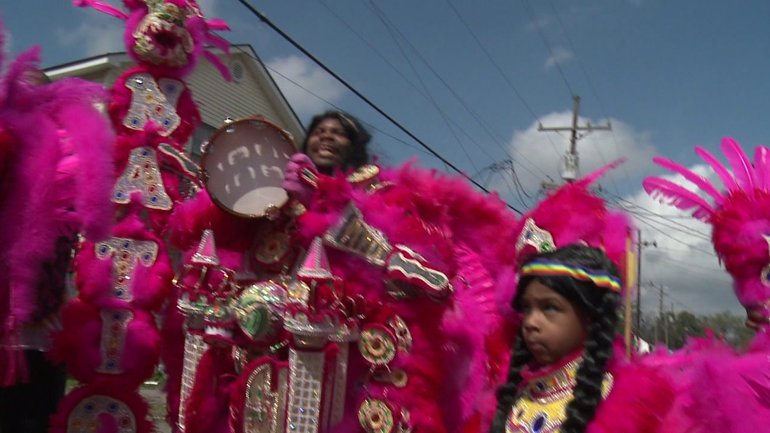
(598, 349)
(506, 394)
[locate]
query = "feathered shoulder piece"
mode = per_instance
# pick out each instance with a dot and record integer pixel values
(739, 212)
(573, 214)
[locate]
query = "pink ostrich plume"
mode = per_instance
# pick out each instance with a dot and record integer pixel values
(739, 214)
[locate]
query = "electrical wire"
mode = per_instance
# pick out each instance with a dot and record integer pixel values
(355, 91)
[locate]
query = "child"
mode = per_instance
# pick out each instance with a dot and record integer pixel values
(559, 372)
(568, 301)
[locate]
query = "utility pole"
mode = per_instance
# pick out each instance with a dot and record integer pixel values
(639, 245)
(571, 160)
(660, 313)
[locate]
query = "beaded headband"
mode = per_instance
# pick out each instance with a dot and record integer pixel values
(559, 269)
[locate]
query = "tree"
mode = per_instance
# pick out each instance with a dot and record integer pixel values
(681, 325)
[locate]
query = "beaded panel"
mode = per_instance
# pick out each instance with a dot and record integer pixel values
(86, 416)
(340, 382)
(142, 174)
(194, 347)
(265, 402)
(114, 324)
(154, 101)
(305, 379)
(125, 254)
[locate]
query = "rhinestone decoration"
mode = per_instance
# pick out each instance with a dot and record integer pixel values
(272, 247)
(535, 237)
(265, 403)
(153, 101)
(340, 380)
(403, 335)
(377, 345)
(194, 348)
(375, 416)
(112, 344)
(541, 404)
(143, 175)
(257, 309)
(125, 254)
(86, 416)
(305, 379)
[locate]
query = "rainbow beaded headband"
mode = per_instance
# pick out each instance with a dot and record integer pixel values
(559, 269)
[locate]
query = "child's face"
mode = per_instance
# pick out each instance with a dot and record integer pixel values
(552, 327)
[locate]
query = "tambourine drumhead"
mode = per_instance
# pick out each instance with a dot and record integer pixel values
(243, 164)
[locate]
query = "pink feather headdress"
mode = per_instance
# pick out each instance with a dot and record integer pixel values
(573, 214)
(740, 216)
(167, 36)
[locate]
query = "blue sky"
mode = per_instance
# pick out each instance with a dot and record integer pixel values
(668, 76)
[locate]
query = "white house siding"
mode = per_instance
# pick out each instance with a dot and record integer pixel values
(218, 99)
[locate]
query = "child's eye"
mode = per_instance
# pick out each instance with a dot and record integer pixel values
(550, 307)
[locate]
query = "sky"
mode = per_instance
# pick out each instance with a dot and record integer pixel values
(473, 80)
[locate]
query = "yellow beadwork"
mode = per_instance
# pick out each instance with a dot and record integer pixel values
(541, 404)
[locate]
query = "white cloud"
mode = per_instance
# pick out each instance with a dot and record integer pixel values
(92, 37)
(209, 8)
(683, 259)
(559, 56)
(542, 152)
(306, 86)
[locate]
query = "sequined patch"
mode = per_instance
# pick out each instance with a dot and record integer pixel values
(87, 415)
(375, 416)
(403, 335)
(534, 236)
(306, 372)
(125, 254)
(377, 345)
(114, 324)
(255, 309)
(272, 247)
(143, 175)
(153, 101)
(265, 403)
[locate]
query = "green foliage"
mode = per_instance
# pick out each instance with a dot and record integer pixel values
(674, 328)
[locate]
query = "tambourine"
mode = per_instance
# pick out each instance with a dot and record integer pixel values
(242, 166)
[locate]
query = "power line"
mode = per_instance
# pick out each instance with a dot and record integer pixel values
(390, 29)
(548, 46)
(355, 91)
(321, 98)
(593, 91)
(496, 139)
(498, 68)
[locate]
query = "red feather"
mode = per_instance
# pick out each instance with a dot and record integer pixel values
(671, 193)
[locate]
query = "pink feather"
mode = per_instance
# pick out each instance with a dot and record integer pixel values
(762, 167)
(719, 169)
(102, 7)
(699, 181)
(671, 193)
(742, 169)
(596, 174)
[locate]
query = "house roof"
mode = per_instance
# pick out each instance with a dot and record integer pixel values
(104, 63)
